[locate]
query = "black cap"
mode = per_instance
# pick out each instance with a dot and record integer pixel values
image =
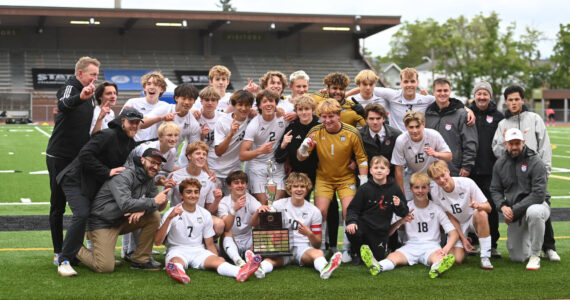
(131, 114)
(153, 152)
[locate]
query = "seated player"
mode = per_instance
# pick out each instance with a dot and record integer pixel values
(259, 144)
(467, 208)
(187, 232)
(210, 195)
(422, 227)
(304, 223)
(236, 210)
(369, 214)
(416, 148)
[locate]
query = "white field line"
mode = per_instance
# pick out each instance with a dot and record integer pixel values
(20, 203)
(561, 156)
(39, 172)
(45, 133)
(560, 197)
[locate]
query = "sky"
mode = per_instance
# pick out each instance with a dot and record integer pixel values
(544, 15)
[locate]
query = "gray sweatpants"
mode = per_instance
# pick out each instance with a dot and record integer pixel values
(525, 236)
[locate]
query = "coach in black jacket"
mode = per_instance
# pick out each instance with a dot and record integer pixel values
(74, 114)
(100, 159)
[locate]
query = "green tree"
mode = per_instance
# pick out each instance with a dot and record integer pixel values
(412, 42)
(561, 59)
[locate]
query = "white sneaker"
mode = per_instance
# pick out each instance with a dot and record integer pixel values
(240, 263)
(56, 259)
(551, 255)
(533, 263)
(486, 263)
(346, 258)
(259, 273)
(64, 269)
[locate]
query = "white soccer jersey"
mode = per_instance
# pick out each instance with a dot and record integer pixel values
(425, 225)
(208, 139)
(260, 132)
(308, 214)
(145, 108)
(399, 105)
(241, 228)
(170, 155)
(229, 161)
(189, 127)
(286, 105)
(375, 99)
(189, 229)
(412, 153)
(223, 103)
(106, 119)
(206, 192)
(457, 202)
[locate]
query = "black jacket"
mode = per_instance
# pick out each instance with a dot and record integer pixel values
(299, 132)
(385, 149)
(373, 205)
(486, 123)
(72, 122)
(107, 149)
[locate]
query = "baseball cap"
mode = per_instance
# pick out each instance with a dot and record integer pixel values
(131, 114)
(153, 152)
(513, 134)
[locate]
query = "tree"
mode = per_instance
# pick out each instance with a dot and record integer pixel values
(560, 78)
(412, 42)
(226, 6)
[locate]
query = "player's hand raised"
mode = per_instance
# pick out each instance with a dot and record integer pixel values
(87, 91)
(161, 198)
(177, 211)
(396, 200)
(286, 139)
(429, 151)
(266, 148)
(305, 145)
(234, 128)
(410, 217)
(290, 117)
(168, 117)
(218, 195)
(205, 130)
(239, 203)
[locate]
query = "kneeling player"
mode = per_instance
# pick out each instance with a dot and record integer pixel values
(369, 214)
(187, 232)
(304, 223)
(467, 208)
(236, 210)
(422, 230)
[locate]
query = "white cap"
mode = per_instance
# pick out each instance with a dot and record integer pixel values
(513, 134)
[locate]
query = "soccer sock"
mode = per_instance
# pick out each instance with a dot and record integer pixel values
(266, 266)
(180, 266)
(345, 242)
(231, 250)
(324, 235)
(485, 246)
(227, 269)
(387, 265)
(320, 263)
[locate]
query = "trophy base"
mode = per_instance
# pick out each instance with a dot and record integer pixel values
(271, 242)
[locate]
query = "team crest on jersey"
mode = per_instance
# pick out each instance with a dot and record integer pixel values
(199, 219)
(431, 215)
(461, 195)
(342, 138)
(387, 142)
(262, 128)
(448, 126)
(344, 109)
(523, 167)
(299, 137)
(489, 119)
(305, 215)
(186, 125)
(281, 124)
(426, 145)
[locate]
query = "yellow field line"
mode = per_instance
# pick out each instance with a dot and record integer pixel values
(559, 177)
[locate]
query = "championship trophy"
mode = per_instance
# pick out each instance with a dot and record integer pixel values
(271, 239)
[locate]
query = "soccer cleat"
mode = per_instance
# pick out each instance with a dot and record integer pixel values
(56, 259)
(495, 253)
(346, 258)
(249, 255)
(486, 263)
(551, 255)
(154, 262)
(369, 260)
(250, 267)
(149, 266)
(441, 266)
(334, 263)
(176, 273)
(533, 263)
(240, 263)
(64, 269)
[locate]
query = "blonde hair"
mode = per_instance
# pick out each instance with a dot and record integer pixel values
(329, 106)
(379, 159)
(305, 101)
(414, 115)
(298, 75)
(409, 73)
(166, 127)
(219, 71)
(366, 76)
(419, 178)
(84, 62)
(199, 145)
(263, 81)
(437, 168)
(160, 81)
(210, 92)
(297, 178)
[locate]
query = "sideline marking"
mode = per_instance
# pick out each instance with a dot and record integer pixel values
(20, 203)
(45, 133)
(51, 249)
(560, 197)
(39, 172)
(10, 171)
(559, 177)
(561, 156)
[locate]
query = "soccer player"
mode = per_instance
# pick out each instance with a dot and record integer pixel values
(467, 208)
(106, 96)
(228, 137)
(417, 148)
(447, 116)
(422, 227)
(187, 232)
(369, 214)
(335, 143)
(366, 81)
(304, 223)
(154, 85)
(220, 80)
(236, 210)
(298, 84)
(259, 144)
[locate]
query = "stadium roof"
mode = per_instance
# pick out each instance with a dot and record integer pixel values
(206, 22)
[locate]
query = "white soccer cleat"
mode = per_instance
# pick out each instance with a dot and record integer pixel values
(334, 263)
(346, 258)
(486, 263)
(533, 263)
(551, 255)
(64, 269)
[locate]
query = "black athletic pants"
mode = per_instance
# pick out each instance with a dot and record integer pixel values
(333, 222)
(57, 201)
(377, 241)
(80, 206)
